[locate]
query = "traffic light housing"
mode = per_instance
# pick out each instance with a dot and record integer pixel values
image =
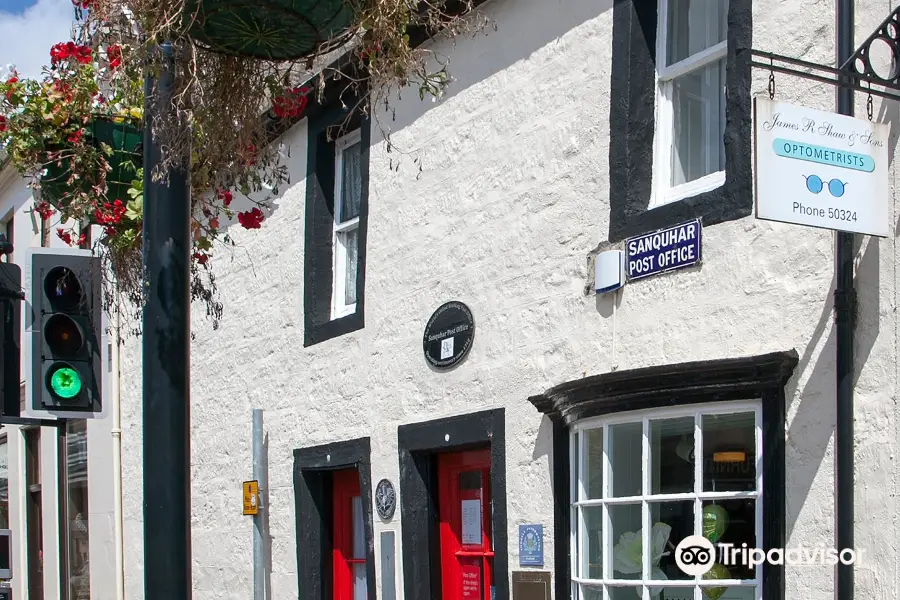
(66, 333)
(10, 337)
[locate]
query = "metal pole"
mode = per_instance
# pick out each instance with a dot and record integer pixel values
(259, 474)
(844, 308)
(166, 354)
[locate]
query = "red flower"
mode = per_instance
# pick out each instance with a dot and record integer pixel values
(2, 123)
(83, 55)
(251, 219)
(225, 197)
(114, 54)
(201, 258)
(291, 104)
(76, 137)
(12, 88)
(82, 3)
(45, 210)
(64, 235)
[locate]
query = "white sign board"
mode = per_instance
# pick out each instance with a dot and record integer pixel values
(820, 169)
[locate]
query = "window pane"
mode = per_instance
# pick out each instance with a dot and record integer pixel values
(589, 592)
(671, 522)
(76, 479)
(351, 181)
(734, 592)
(625, 593)
(730, 522)
(625, 443)
(359, 581)
(694, 26)
(593, 463)
(698, 102)
(672, 456)
(359, 533)
(350, 242)
(673, 593)
(4, 485)
(729, 452)
(626, 537)
(592, 542)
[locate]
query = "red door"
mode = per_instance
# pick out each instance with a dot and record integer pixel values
(349, 557)
(467, 553)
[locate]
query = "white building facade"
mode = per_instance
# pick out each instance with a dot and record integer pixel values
(695, 402)
(562, 135)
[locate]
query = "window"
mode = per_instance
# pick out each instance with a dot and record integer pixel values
(347, 205)
(4, 484)
(33, 516)
(8, 228)
(76, 496)
(690, 151)
(638, 489)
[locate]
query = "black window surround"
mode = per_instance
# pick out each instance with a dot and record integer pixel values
(632, 125)
(318, 254)
(313, 513)
(418, 444)
(681, 384)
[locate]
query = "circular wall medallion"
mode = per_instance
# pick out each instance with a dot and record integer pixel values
(385, 499)
(448, 335)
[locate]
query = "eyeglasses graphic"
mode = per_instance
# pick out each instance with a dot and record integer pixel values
(835, 187)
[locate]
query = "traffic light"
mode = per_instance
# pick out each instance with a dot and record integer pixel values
(10, 337)
(66, 333)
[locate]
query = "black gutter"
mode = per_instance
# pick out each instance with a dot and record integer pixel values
(844, 313)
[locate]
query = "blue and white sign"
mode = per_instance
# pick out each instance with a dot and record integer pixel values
(531, 545)
(820, 169)
(664, 250)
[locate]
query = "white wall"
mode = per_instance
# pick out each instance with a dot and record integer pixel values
(512, 199)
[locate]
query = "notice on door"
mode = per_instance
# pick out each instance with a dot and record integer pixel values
(471, 582)
(471, 522)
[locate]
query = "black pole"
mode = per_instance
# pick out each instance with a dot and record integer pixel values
(844, 308)
(166, 354)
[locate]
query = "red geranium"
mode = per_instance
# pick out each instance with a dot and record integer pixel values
(2, 123)
(251, 219)
(225, 197)
(291, 104)
(114, 54)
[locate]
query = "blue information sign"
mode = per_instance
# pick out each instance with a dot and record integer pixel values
(531, 545)
(664, 250)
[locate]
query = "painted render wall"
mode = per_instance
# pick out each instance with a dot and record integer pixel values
(512, 199)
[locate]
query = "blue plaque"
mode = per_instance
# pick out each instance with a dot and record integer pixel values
(664, 250)
(531, 545)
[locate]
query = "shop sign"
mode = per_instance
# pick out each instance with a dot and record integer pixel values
(531, 545)
(448, 335)
(251, 497)
(821, 169)
(664, 250)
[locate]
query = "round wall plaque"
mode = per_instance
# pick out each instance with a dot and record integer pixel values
(448, 335)
(385, 499)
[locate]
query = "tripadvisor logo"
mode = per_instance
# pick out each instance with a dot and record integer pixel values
(696, 556)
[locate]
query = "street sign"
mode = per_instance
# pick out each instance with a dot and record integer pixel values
(251, 497)
(821, 169)
(664, 250)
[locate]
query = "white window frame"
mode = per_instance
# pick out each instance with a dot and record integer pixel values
(663, 191)
(579, 495)
(339, 308)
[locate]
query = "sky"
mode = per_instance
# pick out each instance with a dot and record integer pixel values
(27, 30)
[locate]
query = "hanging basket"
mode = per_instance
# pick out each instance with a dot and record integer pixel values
(268, 29)
(124, 138)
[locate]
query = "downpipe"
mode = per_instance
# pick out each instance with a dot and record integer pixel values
(844, 318)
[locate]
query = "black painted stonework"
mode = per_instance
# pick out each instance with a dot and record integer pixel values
(661, 387)
(417, 444)
(632, 125)
(318, 256)
(312, 509)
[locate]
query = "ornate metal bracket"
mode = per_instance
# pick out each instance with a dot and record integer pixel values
(855, 72)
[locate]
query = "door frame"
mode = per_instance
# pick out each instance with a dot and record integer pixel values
(313, 507)
(418, 446)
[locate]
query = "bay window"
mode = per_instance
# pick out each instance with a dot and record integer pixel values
(689, 140)
(642, 481)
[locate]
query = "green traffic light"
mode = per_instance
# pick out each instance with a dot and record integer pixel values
(65, 382)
